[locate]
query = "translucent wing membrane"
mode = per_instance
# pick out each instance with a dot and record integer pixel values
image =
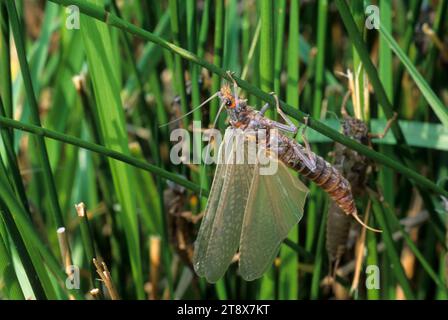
(248, 211)
(274, 206)
(220, 231)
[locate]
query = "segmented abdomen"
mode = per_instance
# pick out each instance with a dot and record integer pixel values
(325, 175)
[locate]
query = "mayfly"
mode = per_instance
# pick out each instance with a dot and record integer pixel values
(251, 213)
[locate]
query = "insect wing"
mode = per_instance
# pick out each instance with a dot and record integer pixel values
(220, 231)
(274, 206)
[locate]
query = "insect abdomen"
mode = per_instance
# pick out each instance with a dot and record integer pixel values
(329, 179)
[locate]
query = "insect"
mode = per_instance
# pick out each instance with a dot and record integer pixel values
(355, 168)
(253, 213)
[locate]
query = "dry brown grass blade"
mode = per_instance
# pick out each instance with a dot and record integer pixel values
(95, 293)
(360, 245)
(105, 276)
(154, 263)
(428, 31)
(64, 248)
(407, 257)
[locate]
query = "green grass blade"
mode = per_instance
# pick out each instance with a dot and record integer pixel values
(417, 134)
(412, 19)
(203, 32)
(218, 51)
(372, 260)
(320, 256)
(267, 46)
(434, 102)
(320, 59)
(12, 164)
(391, 248)
(105, 78)
(279, 44)
(34, 245)
(11, 286)
(231, 57)
(179, 70)
(34, 109)
(5, 61)
(386, 76)
(292, 91)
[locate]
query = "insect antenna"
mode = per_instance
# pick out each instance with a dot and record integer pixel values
(208, 145)
(217, 115)
(190, 112)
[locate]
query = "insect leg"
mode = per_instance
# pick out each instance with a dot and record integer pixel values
(305, 140)
(386, 128)
(292, 127)
(307, 145)
(289, 127)
(307, 158)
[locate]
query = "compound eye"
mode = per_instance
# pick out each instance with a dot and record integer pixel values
(228, 102)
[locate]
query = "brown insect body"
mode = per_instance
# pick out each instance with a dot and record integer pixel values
(325, 175)
(291, 153)
(354, 167)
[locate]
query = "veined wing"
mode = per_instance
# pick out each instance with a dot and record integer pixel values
(220, 231)
(274, 206)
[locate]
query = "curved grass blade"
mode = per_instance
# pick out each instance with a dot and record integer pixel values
(99, 45)
(41, 149)
(437, 106)
(11, 288)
